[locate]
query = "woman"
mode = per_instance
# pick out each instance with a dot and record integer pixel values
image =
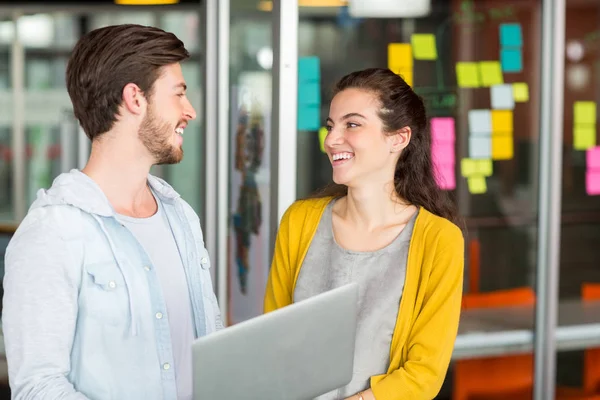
(386, 225)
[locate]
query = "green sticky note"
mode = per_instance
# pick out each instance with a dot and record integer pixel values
(423, 45)
(467, 75)
(491, 73)
(585, 112)
(485, 167)
(520, 92)
(322, 136)
(477, 185)
(584, 137)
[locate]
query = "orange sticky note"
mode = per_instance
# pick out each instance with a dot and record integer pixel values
(502, 121)
(502, 147)
(400, 55)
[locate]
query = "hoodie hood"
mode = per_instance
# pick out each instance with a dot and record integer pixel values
(79, 190)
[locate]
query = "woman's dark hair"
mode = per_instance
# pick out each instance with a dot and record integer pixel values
(400, 106)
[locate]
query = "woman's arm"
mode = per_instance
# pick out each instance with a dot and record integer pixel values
(431, 340)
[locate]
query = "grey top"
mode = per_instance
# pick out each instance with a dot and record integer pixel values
(155, 236)
(380, 276)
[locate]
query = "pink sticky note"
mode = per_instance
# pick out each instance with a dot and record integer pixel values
(593, 158)
(442, 153)
(592, 182)
(445, 177)
(442, 130)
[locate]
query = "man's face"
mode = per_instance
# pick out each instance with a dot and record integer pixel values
(168, 113)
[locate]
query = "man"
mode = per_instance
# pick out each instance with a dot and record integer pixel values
(107, 278)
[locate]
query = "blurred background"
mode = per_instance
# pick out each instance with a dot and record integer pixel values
(496, 76)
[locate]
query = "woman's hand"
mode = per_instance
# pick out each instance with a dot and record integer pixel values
(366, 395)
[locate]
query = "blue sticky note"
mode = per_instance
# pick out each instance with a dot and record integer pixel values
(502, 97)
(510, 35)
(309, 94)
(480, 147)
(512, 60)
(480, 122)
(309, 69)
(309, 118)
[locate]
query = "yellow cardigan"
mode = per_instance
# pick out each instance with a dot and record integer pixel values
(427, 323)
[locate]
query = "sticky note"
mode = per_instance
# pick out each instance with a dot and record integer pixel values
(520, 92)
(593, 158)
(511, 35)
(470, 167)
(443, 153)
(309, 118)
(491, 74)
(309, 93)
(502, 97)
(407, 75)
(512, 60)
(424, 47)
(584, 112)
(502, 121)
(480, 122)
(309, 69)
(467, 75)
(584, 136)
(480, 147)
(592, 182)
(322, 136)
(399, 55)
(502, 147)
(477, 185)
(442, 130)
(445, 177)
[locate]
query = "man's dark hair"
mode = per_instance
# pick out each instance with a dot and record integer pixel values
(105, 60)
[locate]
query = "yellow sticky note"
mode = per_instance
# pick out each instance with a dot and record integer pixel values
(585, 112)
(476, 167)
(322, 136)
(484, 167)
(491, 73)
(424, 46)
(502, 147)
(400, 55)
(477, 185)
(468, 167)
(521, 92)
(502, 121)
(407, 75)
(584, 136)
(467, 75)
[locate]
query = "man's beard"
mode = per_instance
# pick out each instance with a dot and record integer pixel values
(156, 137)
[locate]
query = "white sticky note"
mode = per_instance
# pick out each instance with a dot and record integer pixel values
(480, 122)
(503, 97)
(480, 147)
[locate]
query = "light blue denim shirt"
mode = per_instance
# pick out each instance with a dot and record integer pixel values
(81, 297)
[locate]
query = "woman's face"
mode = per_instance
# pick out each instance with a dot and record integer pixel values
(358, 148)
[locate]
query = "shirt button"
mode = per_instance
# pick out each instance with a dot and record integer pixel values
(147, 268)
(112, 284)
(204, 260)
(166, 366)
(159, 315)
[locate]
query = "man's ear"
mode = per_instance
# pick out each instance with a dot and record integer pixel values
(400, 139)
(134, 100)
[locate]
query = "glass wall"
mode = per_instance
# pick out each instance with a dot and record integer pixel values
(577, 365)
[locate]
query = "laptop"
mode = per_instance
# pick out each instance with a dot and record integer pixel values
(297, 352)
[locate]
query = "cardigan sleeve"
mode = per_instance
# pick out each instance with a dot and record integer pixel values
(278, 292)
(431, 339)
